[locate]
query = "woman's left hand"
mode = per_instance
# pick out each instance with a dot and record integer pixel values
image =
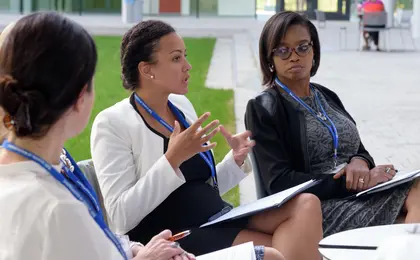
(357, 175)
(240, 144)
(135, 249)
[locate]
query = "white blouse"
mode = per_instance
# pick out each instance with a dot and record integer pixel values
(133, 172)
(40, 219)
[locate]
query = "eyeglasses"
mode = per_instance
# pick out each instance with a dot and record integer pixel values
(284, 52)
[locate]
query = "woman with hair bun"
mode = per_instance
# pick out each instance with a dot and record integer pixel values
(3, 34)
(48, 209)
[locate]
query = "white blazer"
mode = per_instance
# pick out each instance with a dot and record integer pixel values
(41, 219)
(133, 172)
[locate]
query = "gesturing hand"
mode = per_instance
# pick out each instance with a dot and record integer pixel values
(357, 175)
(184, 145)
(240, 144)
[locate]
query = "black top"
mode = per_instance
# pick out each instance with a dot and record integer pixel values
(281, 153)
(191, 205)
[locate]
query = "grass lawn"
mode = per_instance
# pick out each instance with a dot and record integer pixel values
(109, 90)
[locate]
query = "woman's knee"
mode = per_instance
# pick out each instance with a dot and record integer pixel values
(307, 203)
(413, 197)
(272, 254)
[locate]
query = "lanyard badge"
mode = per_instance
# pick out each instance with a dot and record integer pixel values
(206, 156)
(321, 116)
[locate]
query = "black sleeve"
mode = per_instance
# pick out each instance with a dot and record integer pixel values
(272, 159)
(362, 152)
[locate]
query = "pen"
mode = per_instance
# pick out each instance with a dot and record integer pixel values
(348, 247)
(179, 236)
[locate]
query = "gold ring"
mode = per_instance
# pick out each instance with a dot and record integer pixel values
(361, 180)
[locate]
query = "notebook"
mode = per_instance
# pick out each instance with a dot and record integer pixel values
(240, 252)
(267, 203)
(399, 178)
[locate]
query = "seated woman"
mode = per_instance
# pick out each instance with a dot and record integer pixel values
(369, 7)
(6, 30)
(302, 131)
(48, 210)
(155, 167)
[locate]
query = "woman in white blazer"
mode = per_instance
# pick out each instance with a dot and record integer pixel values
(155, 170)
(48, 209)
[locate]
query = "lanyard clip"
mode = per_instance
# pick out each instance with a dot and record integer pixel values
(335, 158)
(215, 184)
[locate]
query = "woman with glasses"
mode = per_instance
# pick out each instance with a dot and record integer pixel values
(302, 132)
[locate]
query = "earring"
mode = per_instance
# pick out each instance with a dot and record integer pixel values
(8, 122)
(152, 77)
(271, 67)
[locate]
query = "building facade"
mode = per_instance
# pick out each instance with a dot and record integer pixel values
(334, 9)
(244, 8)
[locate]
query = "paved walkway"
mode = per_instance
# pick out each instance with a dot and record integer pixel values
(380, 89)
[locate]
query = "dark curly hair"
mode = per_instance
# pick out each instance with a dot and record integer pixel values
(138, 44)
(45, 62)
(274, 31)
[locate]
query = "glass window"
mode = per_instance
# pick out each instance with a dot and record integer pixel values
(328, 5)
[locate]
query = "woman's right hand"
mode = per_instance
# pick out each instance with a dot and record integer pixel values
(184, 145)
(160, 248)
(381, 174)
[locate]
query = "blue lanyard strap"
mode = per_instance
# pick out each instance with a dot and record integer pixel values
(76, 183)
(207, 157)
(320, 117)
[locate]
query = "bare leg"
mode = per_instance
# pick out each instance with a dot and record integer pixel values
(295, 229)
(366, 39)
(412, 203)
(401, 218)
(272, 254)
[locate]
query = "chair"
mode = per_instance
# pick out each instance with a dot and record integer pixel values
(88, 170)
(321, 18)
(343, 31)
(402, 22)
(259, 185)
(375, 22)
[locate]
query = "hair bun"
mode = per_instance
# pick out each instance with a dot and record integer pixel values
(24, 107)
(7, 81)
(9, 94)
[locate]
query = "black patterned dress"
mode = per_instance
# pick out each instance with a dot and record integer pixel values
(340, 214)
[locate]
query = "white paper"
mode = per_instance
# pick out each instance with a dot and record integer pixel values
(240, 252)
(261, 204)
(400, 178)
(337, 169)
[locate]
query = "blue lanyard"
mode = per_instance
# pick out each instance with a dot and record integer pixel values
(77, 184)
(207, 157)
(321, 117)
